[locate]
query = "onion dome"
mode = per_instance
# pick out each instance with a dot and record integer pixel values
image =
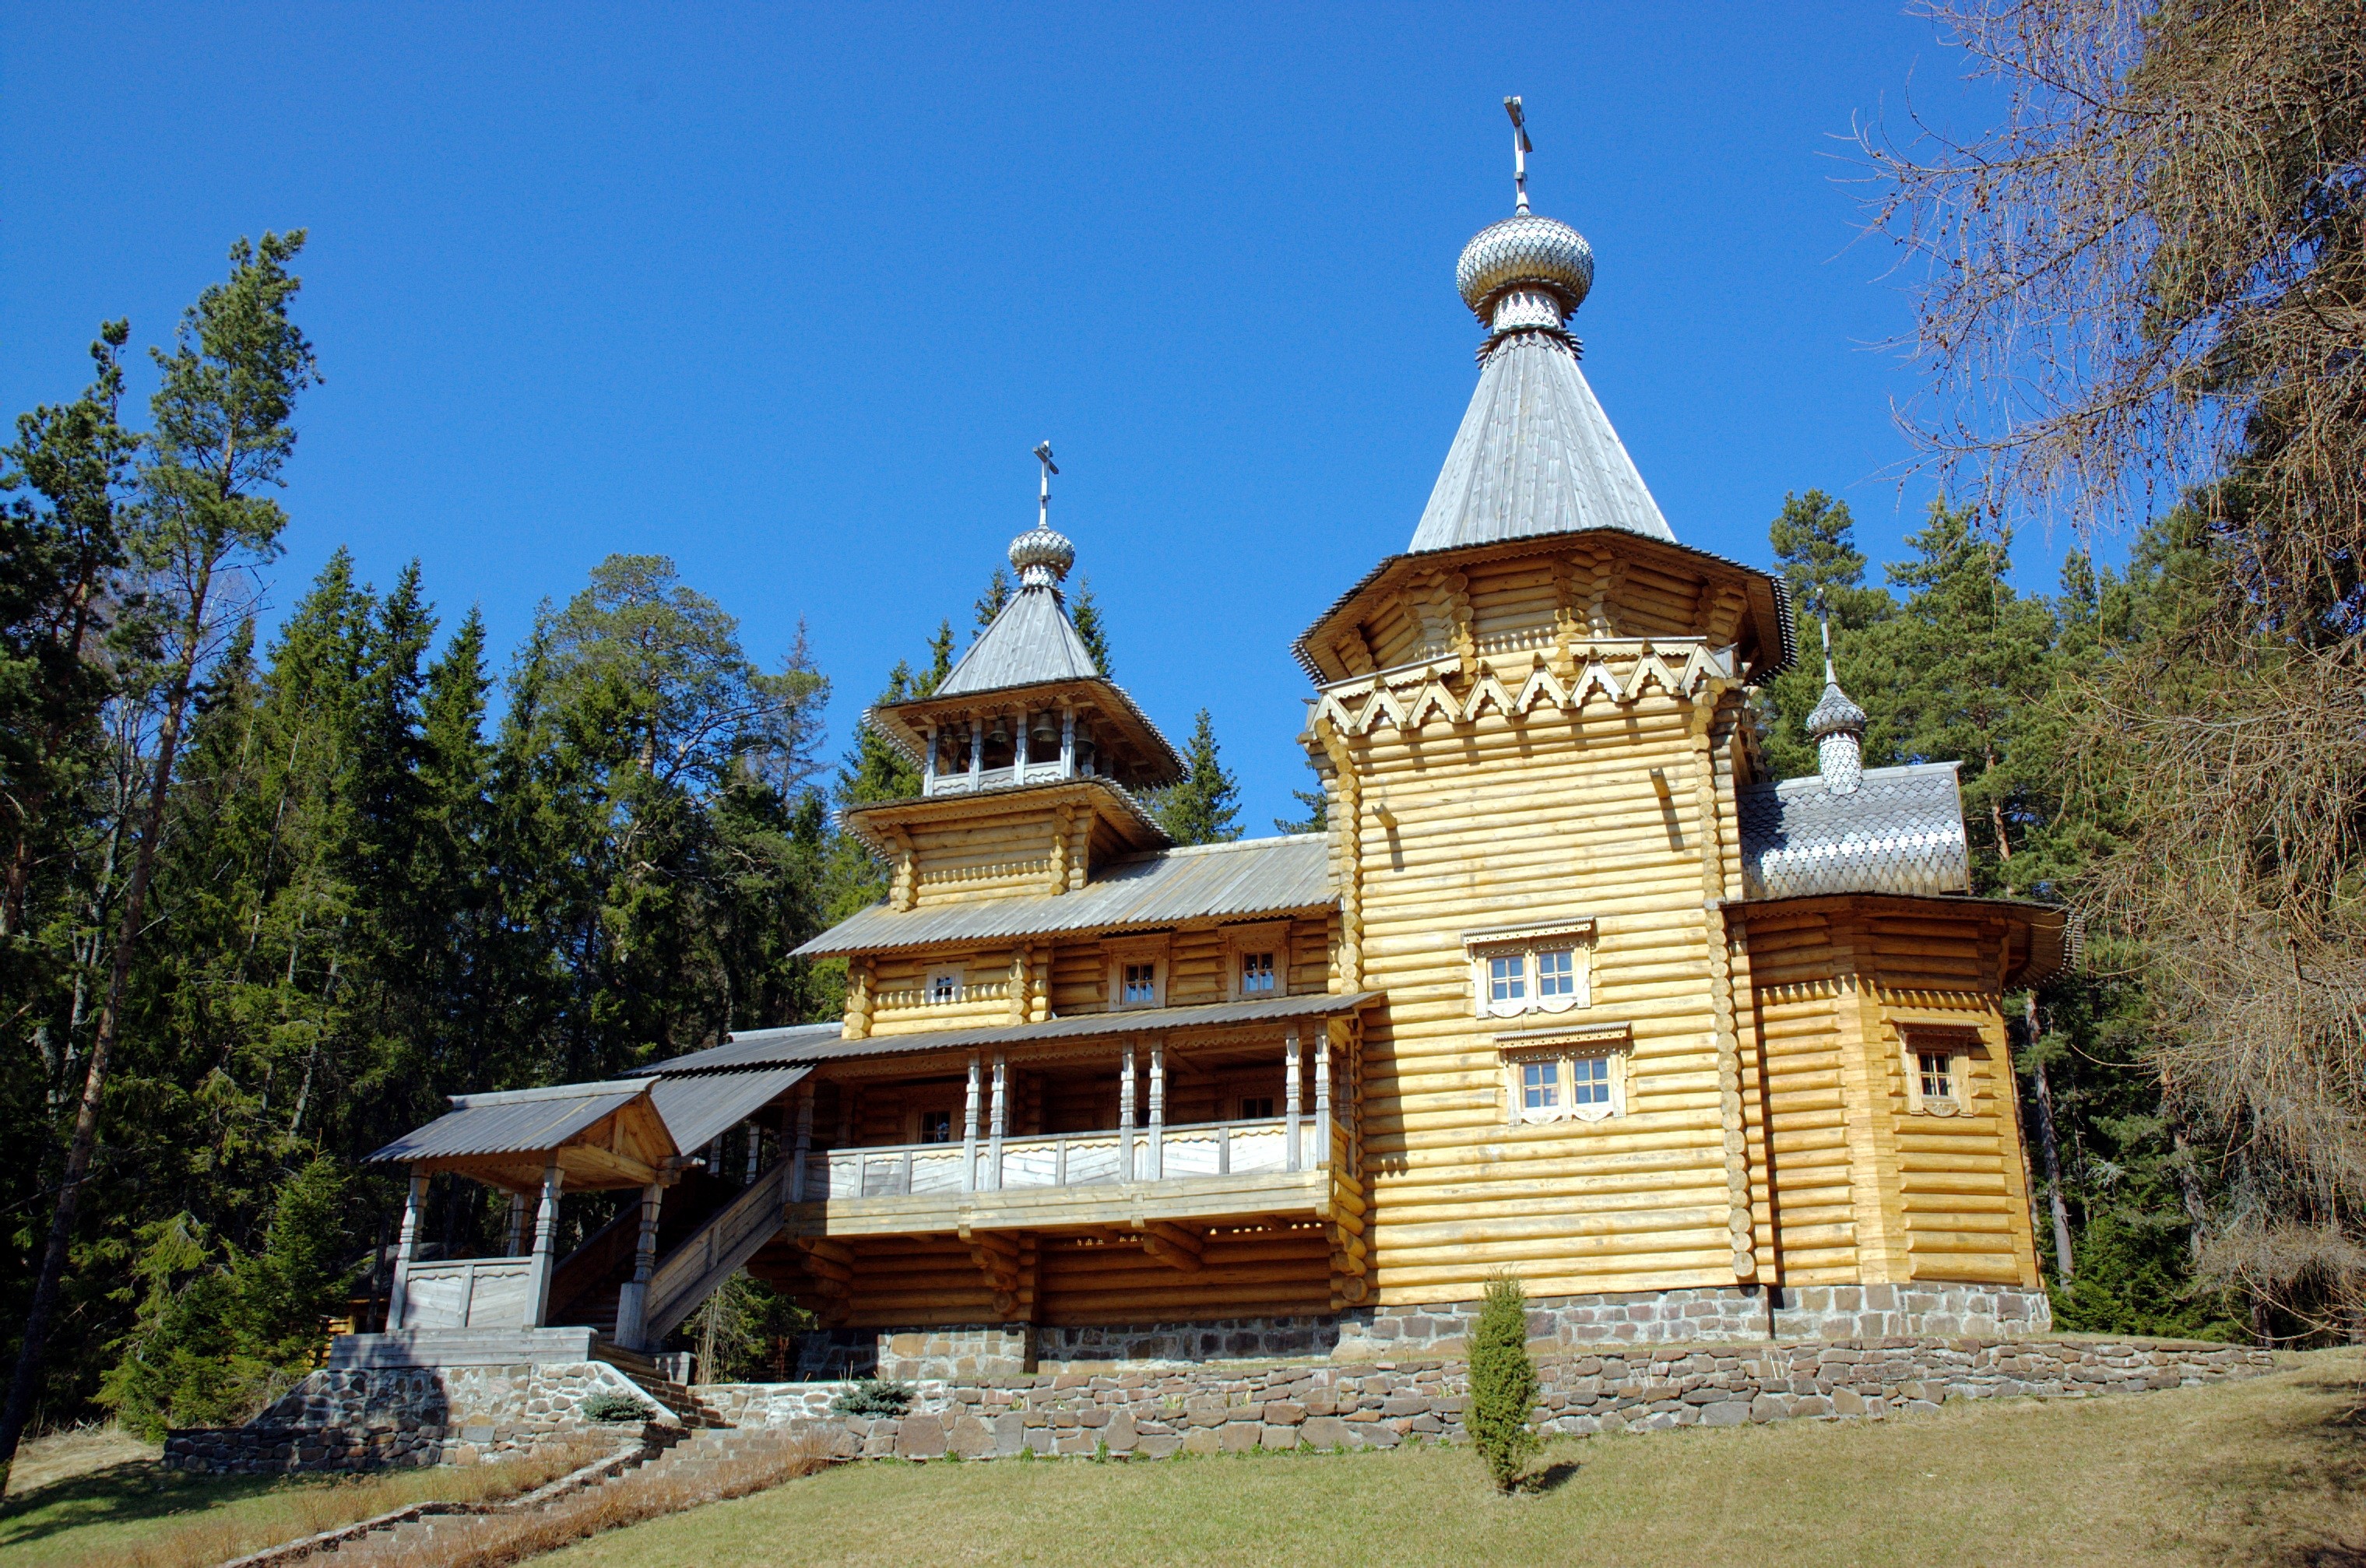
(1835, 715)
(1042, 555)
(1524, 272)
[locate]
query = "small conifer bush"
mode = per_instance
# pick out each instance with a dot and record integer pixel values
(1502, 1384)
(613, 1405)
(874, 1396)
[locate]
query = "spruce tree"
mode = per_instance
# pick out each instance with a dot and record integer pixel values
(990, 602)
(1318, 813)
(1203, 806)
(1814, 539)
(1502, 1384)
(1085, 613)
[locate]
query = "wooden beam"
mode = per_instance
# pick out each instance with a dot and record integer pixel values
(1170, 1244)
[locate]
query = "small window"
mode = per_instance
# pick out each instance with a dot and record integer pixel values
(1938, 1071)
(1256, 974)
(1507, 978)
(1540, 1085)
(1590, 1080)
(1257, 1108)
(1556, 973)
(944, 986)
(1141, 985)
(936, 1126)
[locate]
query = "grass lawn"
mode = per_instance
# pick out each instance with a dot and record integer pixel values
(2270, 1470)
(81, 1502)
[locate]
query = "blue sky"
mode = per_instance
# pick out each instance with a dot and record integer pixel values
(788, 295)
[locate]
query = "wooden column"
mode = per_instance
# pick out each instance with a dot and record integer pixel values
(804, 1148)
(416, 1199)
(514, 1236)
(969, 1129)
(1157, 1110)
(1322, 1097)
(1290, 1090)
(928, 760)
(633, 1300)
(976, 755)
(546, 1247)
(1125, 1115)
(1001, 1123)
(1067, 741)
(755, 1152)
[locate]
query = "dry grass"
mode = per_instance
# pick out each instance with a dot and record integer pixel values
(496, 1539)
(2270, 1470)
(136, 1514)
(60, 1456)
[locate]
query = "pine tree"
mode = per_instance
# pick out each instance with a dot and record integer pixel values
(1203, 806)
(1502, 1384)
(1814, 539)
(1318, 813)
(1085, 613)
(990, 602)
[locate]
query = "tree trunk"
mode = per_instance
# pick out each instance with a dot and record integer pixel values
(43, 1306)
(2048, 1147)
(2189, 1187)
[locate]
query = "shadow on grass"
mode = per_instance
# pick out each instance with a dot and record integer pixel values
(1551, 1478)
(2301, 1474)
(124, 1494)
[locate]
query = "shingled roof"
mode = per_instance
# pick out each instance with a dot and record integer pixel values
(1901, 831)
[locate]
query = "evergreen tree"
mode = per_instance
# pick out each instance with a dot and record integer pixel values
(1318, 813)
(990, 602)
(1203, 806)
(1085, 613)
(1502, 1384)
(1815, 553)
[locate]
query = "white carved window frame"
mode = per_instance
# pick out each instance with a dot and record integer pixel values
(1121, 953)
(1559, 1050)
(1266, 936)
(957, 974)
(1961, 1047)
(1526, 943)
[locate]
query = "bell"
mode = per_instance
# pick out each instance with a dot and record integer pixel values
(1044, 732)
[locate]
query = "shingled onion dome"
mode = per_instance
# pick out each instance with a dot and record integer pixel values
(1837, 726)
(1042, 555)
(1524, 274)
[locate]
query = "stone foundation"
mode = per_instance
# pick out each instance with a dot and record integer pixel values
(1880, 1311)
(992, 1352)
(371, 1418)
(1210, 1409)
(1737, 1314)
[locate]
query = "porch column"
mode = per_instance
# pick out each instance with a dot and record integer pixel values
(803, 1145)
(969, 1129)
(633, 1300)
(513, 1237)
(755, 1151)
(546, 1247)
(1125, 1115)
(415, 1200)
(1323, 1098)
(928, 760)
(1001, 1123)
(1289, 1099)
(1157, 1110)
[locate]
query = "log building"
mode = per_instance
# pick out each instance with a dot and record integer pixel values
(1566, 987)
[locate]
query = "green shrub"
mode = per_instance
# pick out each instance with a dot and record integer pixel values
(1502, 1384)
(874, 1396)
(613, 1404)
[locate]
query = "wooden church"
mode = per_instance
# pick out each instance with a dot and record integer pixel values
(1568, 989)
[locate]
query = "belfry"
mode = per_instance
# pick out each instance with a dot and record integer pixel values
(1565, 987)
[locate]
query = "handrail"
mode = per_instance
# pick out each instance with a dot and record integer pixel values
(1018, 1170)
(731, 1236)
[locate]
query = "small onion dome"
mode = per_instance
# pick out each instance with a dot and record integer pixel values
(1524, 254)
(1042, 555)
(1835, 715)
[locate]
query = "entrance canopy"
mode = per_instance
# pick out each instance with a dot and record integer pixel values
(599, 1134)
(700, 1108)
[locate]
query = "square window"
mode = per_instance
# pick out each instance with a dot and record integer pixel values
(1256, 974)
(936, 1126)
(1938, 1070)
(1590, 1076)
(944, 986)
(1539, 1085)
(1507, 978)
(1557, 972)
(1141, 984)
(1257, 1108)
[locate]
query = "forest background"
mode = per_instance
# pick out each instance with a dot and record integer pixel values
(266, 904)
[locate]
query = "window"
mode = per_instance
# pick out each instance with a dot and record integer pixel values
(1938, 1066)
(1256, 974)
(1137, 975)
(1521, 969)
(1938, 1075)
(1570, 1082)
(944, 986)
(1141, 985)
(1257, 959)
(1257, 1108)
(936, 1126)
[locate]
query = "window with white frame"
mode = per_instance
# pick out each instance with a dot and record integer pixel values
(1137, 977)
(1938, 1072)
(1583, 1082)
(1257, 959)
(1256, 974)
(1141, 985)
(1524, 969)
(945, 985)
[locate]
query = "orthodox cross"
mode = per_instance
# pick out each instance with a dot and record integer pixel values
(1521, 148)
(1043, 501)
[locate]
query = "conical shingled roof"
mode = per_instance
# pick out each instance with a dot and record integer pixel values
(1536, 455)
(1030, 643)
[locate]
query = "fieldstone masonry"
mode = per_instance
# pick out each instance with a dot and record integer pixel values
(376, 1417)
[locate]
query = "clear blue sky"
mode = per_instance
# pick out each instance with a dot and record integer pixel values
(788, 295)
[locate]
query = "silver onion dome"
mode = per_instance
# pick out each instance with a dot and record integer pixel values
(1042, 555)
(1836, 714)
(1535, 270)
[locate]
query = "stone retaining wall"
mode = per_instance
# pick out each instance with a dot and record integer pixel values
(372, 1418)
(1220, 1410)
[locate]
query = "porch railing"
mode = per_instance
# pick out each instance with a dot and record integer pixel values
(469, 1293)
(1070, 1160)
